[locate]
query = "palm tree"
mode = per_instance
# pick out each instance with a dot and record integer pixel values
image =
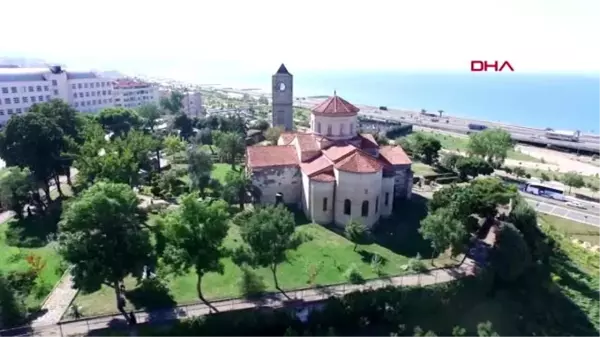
(440, 112)
(423, 111)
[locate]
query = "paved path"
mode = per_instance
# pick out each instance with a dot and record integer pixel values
(79, 327)
(57, 302)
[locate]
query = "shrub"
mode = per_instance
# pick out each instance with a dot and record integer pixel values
(353, 276)
(251, 284)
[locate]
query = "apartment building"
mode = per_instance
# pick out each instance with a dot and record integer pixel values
(22, 87)
(133, 94)
(192, 102)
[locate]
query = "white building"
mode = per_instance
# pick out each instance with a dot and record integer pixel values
(22, 87)
(133, 94)
(192, 102)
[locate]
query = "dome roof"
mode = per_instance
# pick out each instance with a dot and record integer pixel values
(335, 106)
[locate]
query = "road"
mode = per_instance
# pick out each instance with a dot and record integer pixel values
(552, 207)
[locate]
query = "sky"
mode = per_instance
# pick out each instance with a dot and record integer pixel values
(183, 38)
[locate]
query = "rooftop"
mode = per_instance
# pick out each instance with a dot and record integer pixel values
(359, 162)
(269, 156)
(129, 84)
(335, 106)
(394, 155)
(283, 70)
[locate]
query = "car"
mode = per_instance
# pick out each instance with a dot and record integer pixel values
(575, 204)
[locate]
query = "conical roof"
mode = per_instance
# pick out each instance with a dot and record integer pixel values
(335, 106)
(283, 70)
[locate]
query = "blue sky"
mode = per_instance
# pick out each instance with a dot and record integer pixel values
(180, 38)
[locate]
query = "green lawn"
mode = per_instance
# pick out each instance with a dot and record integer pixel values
(421, 169)
(456, 143)
(572, 229)
(13, 258)
(326, 251)
(220, 170)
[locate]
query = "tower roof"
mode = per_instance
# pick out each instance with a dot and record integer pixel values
(335, 106)
(283, 70)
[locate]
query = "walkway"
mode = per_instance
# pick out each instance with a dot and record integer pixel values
(57, 302)
(275, 300)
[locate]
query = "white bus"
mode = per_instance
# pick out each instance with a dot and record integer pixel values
(570, 136)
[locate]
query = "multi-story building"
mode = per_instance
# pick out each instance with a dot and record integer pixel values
(22, 87)
(132, 94)
(192, 102)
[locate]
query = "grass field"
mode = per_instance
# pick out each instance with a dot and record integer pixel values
(326, 252)
(456, 143)
(421, 169)
(572, 229)
(13, 258)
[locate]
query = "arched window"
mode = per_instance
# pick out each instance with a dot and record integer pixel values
(376, 205)
(318, 127)
(324, 204)
(329, 130)
(347, 207)
(351, 128)
(341, 129)
(365, 208)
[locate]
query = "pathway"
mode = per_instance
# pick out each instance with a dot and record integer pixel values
(57, 302)
(81, 327)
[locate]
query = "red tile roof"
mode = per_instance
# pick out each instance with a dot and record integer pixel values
(128, 84)
(338, 152)
(394, 155)
(316, 166)
(359, 162)
(266, 156)
(287, 137)
(368, 141)
(325, 177)
(335, 106)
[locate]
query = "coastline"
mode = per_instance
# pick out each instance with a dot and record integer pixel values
(308, 101)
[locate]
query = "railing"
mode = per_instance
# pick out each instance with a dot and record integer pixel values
(304, 296)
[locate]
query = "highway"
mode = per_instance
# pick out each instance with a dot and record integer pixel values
(587, 143)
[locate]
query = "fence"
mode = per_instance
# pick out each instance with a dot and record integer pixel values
(304, 297)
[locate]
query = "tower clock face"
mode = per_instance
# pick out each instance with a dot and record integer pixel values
(281, 86)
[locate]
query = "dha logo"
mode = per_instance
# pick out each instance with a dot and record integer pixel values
(485, 66)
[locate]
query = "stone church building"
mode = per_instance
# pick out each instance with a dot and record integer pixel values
(333, 173)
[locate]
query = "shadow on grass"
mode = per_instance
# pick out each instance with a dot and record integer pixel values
(399, 233)
(151, 294)
(368, 257)
(34, 231)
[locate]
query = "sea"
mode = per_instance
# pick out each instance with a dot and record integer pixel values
(561, 101)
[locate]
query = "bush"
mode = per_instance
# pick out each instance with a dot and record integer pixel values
(446, 180)
(353, 276)
(251, 284)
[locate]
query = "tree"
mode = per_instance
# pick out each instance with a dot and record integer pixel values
(444, 231)
(194, 239)
(185, 126)
(594, 186)
(204, 137)
(12, 310)
(355, 231)
(237, 186)
(473, 166)
(440, 112)
(231, 145)
(519, 171)
(486, 330)
(263, 100)
(174, 103)
(199, 168)
(488, 194)
(119, 121)
(448, 160)
(173, 145)
(102, 236)
(424, 146)
(510, 256)
(261, 125)
(524, 218)
(15, 187)
(573, 179)
(491, 144)
(272, 134)
(268, 234)
(544, 177)
(36, 142)
(119, 160)
(150, 114)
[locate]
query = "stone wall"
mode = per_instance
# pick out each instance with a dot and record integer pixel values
(286, 180)
(319, 191)
(357, 187)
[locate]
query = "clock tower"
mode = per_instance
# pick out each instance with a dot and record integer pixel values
(283, 99)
